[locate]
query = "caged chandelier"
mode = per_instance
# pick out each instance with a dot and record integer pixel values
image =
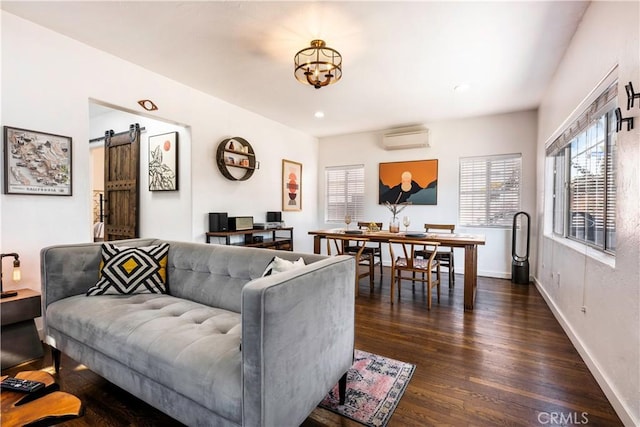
(318, 65)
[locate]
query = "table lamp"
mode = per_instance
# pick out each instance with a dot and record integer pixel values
(16, 274)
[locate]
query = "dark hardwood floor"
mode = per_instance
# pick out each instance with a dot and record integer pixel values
(506, 363)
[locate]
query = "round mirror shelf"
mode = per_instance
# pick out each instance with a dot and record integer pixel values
(236, 159)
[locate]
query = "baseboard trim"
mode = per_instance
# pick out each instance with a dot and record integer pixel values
(619, 406)
(494, 274)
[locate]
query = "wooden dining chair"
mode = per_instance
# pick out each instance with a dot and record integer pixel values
(443, 255)
(375, 249)
(407, 262)
(340, 243)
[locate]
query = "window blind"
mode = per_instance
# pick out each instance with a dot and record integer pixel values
(489, 190)
(344, 192)
(593, 111)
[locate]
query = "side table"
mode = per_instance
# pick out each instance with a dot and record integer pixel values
(46, 407)
(19, 336)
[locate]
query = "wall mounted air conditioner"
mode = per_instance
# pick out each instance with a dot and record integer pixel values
(404, 140)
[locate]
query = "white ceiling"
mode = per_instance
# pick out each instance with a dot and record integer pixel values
(401, 59)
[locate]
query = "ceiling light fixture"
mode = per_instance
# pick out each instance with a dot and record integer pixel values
(318, 65)
(318, 114)
(462, 87)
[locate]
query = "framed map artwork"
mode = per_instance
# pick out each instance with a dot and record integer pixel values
(36, 163)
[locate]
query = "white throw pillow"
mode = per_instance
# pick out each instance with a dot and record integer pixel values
(278, 265)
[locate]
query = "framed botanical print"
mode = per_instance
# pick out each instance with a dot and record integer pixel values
(291, 185)
(163, 162)
(36, 163)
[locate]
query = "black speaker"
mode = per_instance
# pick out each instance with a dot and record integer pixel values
(274, 216)
(218, 221)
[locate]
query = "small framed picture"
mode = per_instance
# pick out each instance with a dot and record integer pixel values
(291, 185)
(163, 162)
(36, 163)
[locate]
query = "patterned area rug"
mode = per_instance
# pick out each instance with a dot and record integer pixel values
(375, 385)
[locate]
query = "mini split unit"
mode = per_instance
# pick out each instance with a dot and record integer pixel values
(404, 140)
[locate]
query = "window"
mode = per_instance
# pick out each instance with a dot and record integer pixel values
(489, 190)
(344, 193)
(584, 190)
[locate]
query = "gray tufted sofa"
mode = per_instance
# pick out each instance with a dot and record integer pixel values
(225, 346)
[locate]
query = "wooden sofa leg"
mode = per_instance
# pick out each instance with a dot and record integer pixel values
(342, 388)
(55, 355)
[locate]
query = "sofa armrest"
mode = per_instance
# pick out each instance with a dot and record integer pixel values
(297, 340)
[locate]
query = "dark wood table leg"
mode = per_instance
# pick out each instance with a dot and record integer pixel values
(316, 244)
(470, 275)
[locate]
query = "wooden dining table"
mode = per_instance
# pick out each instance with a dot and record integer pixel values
(469, 242)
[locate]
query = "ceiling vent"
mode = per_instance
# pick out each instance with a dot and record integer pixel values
(404, 140)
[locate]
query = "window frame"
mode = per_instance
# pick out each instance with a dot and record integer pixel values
(561, 152)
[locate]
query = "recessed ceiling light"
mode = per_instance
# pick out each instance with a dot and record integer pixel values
(319, 114)
(462, 87)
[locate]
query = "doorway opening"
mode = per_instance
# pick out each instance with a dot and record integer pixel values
(156, 208)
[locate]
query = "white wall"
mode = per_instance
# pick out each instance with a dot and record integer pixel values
(450, 140)
(607, 335)
(48, 81)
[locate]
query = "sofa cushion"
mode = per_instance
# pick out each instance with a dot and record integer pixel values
(186, 346)
(215, 275)
(125, 270)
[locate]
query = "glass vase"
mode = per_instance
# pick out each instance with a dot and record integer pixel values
(394, 225)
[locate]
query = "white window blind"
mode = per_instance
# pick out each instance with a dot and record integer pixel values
(344, 193)
(489, 190)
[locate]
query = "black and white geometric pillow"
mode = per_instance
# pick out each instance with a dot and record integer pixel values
(125, 271)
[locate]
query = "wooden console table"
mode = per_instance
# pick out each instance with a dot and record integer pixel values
(20, 340)
(270, 238)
